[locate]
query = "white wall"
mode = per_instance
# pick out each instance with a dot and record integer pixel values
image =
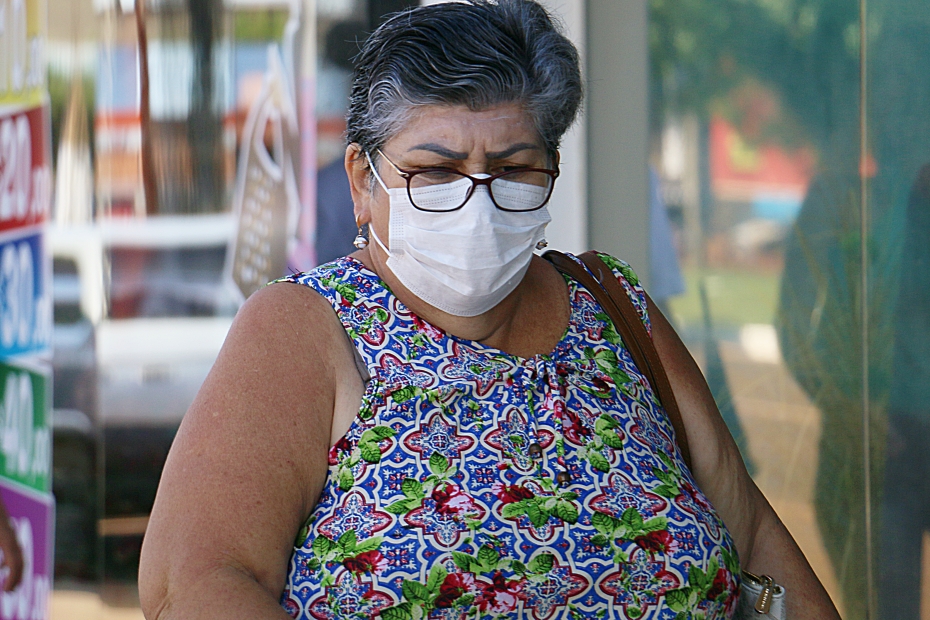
(568, 206)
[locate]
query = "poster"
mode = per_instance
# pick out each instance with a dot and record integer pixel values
(32, 516)
(25, 303)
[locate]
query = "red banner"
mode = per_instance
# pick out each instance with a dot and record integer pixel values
(25, 168)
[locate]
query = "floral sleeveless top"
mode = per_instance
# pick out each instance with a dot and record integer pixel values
(476, 484)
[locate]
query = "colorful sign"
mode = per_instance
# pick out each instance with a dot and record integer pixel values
(25, 170)
(25, 303)
(25, 295)
(32, 517)
(25, 429)
(22, 52)
(25, 196)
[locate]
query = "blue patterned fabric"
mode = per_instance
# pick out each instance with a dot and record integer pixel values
(441, 500)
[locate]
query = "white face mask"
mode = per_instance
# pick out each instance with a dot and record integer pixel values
(462, 262)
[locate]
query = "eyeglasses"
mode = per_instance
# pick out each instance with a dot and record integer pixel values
(515, 190)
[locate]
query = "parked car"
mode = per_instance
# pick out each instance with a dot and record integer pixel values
(141, 311)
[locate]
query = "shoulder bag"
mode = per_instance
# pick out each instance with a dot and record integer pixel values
(760, 597)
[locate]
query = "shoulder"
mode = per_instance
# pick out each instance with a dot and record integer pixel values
(630, 283)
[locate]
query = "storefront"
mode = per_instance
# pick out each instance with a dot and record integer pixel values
(762, 165)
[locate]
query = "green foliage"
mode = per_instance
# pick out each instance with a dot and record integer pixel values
(265, 25)
(803, 50)
(540, 508)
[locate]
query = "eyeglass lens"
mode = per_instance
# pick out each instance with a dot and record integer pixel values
(521, 190)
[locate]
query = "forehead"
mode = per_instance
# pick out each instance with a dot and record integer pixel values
(460, 129)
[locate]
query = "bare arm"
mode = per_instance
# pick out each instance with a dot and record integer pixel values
(248, 464)
(764, 545)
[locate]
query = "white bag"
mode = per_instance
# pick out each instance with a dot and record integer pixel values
(760, 598)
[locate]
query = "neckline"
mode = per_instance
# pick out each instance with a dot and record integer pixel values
(478, 346)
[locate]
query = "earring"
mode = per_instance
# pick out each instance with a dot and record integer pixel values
(360, 241)
(542, 244)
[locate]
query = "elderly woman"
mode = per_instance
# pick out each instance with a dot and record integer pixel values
(442, 425)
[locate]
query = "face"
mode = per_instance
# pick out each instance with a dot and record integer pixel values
(487, 141)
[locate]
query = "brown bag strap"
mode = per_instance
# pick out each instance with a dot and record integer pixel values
(616, 303)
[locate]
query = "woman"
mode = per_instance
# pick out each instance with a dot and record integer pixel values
(480, 445)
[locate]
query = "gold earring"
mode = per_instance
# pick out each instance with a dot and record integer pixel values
(360, 241)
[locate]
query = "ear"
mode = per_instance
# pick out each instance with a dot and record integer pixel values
(359, 182)
(557, 159)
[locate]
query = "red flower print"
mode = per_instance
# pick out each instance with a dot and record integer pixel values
(657, 541)
(454, 586)
(500, 596)
(723, 582)
(575, 431)
(368, 562)
(451, 501)
(510, 493)
(429, 330)
(341, 448)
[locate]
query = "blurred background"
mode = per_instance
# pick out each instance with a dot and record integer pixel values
(762, 164)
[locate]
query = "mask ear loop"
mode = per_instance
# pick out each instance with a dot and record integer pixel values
(374, 171)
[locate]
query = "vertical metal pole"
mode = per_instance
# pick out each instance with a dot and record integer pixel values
(145, 114)
(864, 159)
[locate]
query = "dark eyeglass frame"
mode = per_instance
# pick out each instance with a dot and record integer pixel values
(407, 175)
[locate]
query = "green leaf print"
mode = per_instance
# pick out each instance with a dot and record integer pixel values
(462, 560)
(412, 489)
(346, 543)
(667, 491)
(604, 523)
(609, 333)
(377, 433)
(436, 576)
(516, 509)
(618, 265)
(599, 540)
(566, 511)
(608, 363)
(541, 564)
(369, 545)
(403, 506)
(302, 535)
(488, 557)
(346, 480)
(415, 592)
(370, 451)
(598, 461)
(631, 519)
(321, 546)
(537, 516)
(611, 440)
(347, 291)
(698, 578)
(402, 611)
(438, 464)
(605, 422)
(404, 394)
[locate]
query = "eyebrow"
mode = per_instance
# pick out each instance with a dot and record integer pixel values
(457, 155)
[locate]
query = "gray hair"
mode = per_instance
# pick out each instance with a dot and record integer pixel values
(476, 53)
